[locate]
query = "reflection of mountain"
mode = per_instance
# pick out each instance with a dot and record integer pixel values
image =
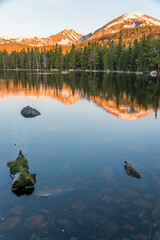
(65, 95)
(124, 109)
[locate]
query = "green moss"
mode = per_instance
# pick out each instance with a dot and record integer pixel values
(21, 178)
(18, 165)
(33, 175)
(24, 181)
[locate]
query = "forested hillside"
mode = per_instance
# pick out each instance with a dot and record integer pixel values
(129, 34)
(138, 55)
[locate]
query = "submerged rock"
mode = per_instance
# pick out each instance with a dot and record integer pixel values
(22, 181)
(17, 210)
(54, 191)
(45, 195)
(131, 171)
(157, 235)
(142, 203)
(106, 227)
(29, 112)
(34, 222)
(9, 223)
(128, 227)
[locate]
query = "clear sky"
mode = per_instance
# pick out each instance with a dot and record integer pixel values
(42, 18)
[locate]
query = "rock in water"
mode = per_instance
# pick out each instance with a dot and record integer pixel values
(29, 112)
(131, 171)
(22, 181)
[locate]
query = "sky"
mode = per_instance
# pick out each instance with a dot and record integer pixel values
(42, 18)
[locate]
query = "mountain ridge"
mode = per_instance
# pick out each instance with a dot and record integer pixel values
(129, 22)
(67, 36)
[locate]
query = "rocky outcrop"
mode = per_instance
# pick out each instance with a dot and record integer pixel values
(29, 112)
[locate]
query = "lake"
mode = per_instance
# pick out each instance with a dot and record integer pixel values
(89, 125)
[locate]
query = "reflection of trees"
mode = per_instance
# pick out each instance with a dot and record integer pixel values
(142, 89)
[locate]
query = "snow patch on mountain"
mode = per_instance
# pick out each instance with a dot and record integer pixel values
(18, 40)
(133, 18)
(132, 15)
(152, 21)
(64, 42)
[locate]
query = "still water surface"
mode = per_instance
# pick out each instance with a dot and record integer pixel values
(89, 125)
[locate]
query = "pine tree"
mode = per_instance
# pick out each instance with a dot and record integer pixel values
(154, 51)
(93, 59)
(133, 56)
(72, 58)
(119, 49)
(84, 58)
(59, 59)
(44, 59)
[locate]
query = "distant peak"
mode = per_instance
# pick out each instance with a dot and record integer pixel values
(127, 20)
(133, 15)
(67, 30)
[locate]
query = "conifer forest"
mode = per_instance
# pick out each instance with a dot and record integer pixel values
(138, 55)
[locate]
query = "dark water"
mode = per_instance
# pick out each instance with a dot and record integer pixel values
(89, 125)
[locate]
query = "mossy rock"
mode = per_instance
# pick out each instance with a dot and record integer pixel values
(19, 165)
(21, 178)
(24, 180)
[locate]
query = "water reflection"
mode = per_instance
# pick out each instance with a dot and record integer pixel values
(21, 192)
(77, 152)
(125, 96)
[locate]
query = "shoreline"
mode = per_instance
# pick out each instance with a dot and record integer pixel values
(79, 70)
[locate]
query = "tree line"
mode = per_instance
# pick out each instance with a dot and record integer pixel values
(138, 55)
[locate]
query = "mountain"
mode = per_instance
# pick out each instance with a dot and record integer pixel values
(65, 37)
(129, 25)
(126, 21)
